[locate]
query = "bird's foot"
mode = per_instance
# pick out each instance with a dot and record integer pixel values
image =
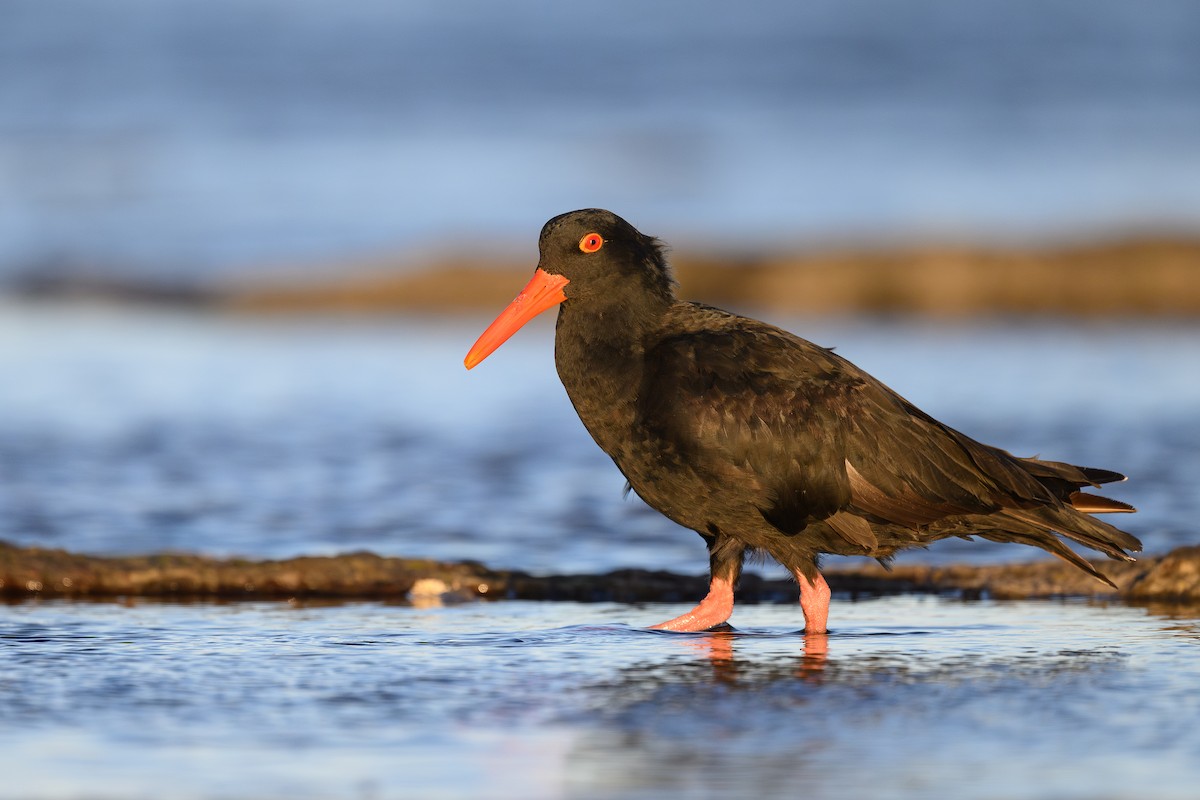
(713, 610)
(814, 602)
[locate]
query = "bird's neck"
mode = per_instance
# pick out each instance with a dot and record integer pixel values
(599, 349)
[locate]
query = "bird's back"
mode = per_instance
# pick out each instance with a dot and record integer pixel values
(810, 441)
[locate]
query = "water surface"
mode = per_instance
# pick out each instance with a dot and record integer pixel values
(909, 697)
(127, 432)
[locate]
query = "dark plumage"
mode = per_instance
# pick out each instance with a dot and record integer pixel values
(761, 441)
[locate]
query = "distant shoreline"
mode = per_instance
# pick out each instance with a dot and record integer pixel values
(1144, 277)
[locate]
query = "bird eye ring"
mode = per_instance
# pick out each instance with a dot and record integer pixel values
(591, 243)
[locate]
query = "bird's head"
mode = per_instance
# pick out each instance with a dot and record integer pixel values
(582, 254)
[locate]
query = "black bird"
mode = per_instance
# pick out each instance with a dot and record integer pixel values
(763, 442)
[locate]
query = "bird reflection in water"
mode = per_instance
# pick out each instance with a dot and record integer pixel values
(719, 647)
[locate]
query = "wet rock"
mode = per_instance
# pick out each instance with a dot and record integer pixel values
(1173, 578)
(1041, 579)
(36, 572)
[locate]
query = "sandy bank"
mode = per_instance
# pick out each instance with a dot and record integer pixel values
(1145, 277)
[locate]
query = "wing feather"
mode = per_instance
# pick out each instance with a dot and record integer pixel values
(812, 432)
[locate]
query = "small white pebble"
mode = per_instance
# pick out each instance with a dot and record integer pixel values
(428, 587)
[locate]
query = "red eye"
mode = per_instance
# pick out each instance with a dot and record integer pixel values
(591, 243)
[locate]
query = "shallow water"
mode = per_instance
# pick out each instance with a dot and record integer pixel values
(136, 432)
(915, 697)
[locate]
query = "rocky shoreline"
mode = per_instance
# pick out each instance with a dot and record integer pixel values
(32, 572)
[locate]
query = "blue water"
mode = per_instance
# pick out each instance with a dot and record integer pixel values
(203, 138)
(128, 431)
(910, 698)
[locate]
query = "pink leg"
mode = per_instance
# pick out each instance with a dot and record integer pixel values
(814, 602)
(714, 609)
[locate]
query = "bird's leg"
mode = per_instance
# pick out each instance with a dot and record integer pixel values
(725, 560)
(714, 609)
(814, 601)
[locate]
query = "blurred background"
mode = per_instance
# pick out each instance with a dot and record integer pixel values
(993, 206)
(195, 140)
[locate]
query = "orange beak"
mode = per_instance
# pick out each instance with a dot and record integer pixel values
(542, 292)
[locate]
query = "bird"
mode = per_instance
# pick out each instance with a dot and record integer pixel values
(764, 443)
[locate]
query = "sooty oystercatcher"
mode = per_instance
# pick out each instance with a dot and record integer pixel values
(763, 442)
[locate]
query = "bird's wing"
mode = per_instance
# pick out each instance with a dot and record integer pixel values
(818, 438)
(906, 467)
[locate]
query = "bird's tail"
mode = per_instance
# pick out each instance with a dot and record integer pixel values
(1066, 480)
(1042, 527)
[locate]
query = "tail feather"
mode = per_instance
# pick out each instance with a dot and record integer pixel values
(1042, 527)
(1098, 476)
(1088, 531)
(1095, 504)
(1052, 544)
(1058, 475)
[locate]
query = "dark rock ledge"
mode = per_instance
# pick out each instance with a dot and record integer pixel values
(31, 572)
